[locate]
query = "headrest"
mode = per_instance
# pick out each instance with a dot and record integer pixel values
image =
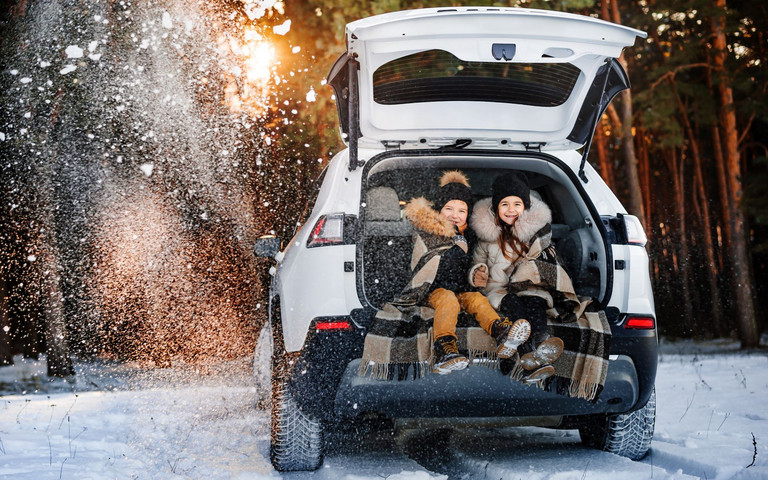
(382, 204)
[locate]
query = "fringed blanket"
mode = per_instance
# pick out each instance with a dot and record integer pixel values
(579, 372)
(540, 273)
(399, 342)
(582, 368)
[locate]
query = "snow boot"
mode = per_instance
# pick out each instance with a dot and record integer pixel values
(447, 356)
(538, 376)
(509, 336)
(546, 353)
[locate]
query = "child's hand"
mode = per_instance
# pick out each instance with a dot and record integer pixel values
(480, 277)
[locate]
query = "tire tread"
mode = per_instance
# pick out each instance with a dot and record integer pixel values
(297, 439)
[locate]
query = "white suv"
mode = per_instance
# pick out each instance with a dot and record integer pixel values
(484, 90)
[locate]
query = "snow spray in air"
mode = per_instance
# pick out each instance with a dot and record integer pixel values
(133, 175)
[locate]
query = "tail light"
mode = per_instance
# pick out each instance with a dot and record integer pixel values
(333, 325)
(635, 232)
(329, 230)
(640, 323)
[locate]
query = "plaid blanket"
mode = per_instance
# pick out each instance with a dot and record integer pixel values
(540, 273)
(399, 343)
(582, 368)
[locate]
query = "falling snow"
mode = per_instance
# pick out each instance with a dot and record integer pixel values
(135, 172)
(73, 51)
(67, 69)
(283, 28)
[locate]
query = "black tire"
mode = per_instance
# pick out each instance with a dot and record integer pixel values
(297, 439)
(628, 435)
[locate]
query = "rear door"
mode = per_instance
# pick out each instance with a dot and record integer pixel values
(502, 77)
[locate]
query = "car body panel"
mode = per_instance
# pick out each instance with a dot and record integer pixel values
(333, 291)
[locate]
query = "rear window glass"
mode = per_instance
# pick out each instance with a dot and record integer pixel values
(439, 76)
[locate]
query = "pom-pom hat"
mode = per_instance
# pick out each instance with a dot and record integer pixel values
(454, 185)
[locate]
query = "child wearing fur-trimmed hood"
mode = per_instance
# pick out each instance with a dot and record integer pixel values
(514, 231)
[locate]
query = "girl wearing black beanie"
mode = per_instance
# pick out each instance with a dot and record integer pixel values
(515, 249)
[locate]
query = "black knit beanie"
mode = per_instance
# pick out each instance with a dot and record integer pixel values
(454, 186)
(509, 184)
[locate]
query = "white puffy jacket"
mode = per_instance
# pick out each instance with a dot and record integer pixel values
(487, 251)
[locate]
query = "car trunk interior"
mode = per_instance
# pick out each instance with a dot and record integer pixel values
(393, 180)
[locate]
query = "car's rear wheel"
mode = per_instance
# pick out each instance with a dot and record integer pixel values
(297, 438)
(628, 435)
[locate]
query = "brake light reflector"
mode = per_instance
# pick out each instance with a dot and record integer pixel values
(640, 323)
(635, 233)
(332, 326)
(329, 230)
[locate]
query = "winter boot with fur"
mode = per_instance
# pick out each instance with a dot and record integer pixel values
(447, 356)
(509, 336)
(546, 353)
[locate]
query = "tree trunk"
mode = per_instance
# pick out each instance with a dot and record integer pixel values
(644, 163)
(726, 236)
(635, 205)
(701, 194)
(50, 300)
(6, 354)
(677, 170)
(603, 156)
(740, 258)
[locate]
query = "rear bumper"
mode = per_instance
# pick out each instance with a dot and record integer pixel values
(477, 392)
(323, 379)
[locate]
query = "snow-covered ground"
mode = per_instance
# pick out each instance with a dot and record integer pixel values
(118, 421)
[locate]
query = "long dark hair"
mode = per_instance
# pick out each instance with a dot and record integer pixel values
(507, 238)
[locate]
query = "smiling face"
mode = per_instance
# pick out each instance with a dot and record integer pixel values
(456, 211)
(510, 209)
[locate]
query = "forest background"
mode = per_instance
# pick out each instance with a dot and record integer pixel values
(146, 144)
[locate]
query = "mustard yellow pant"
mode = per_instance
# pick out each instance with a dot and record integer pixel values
(448, 304)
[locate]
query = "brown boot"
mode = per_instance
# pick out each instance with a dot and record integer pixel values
(447, 356)
(538, 376)
(546, 353)
(509, 336)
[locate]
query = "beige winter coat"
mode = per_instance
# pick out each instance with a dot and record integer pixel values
(488, 252)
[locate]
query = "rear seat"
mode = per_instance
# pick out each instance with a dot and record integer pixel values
(387, 246)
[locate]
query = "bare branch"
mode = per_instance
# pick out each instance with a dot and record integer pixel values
(745, 130)
(671, 74)
(754, 455)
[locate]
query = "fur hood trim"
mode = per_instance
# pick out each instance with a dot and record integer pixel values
(423, 217)
(483, 220)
